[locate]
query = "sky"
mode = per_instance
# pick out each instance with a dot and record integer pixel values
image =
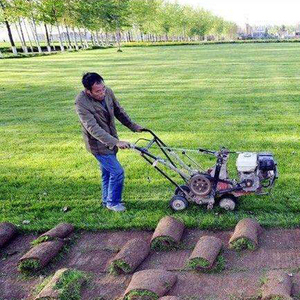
(254, 12)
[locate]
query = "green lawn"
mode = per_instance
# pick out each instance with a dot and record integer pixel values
(244, 97)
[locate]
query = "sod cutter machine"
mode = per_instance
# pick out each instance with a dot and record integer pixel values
(257, 173)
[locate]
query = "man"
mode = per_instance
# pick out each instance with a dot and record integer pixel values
(97, 108)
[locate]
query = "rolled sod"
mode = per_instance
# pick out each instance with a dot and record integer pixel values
(277, 286)
(205, 253)
(167, 234)
(40, 255)
(149, 285)
(7, 232)
(65, 284)
(61, 231)
(49, 291)
(245, 235)
(129, 257)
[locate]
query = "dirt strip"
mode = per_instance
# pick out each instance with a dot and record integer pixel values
(279, 248)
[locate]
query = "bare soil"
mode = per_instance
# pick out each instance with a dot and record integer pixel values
(92, 252)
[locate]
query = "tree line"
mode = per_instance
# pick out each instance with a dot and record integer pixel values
(80, 22)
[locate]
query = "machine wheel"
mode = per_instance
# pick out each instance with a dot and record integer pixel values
(180, 193)
(227, 203)
(178, 203)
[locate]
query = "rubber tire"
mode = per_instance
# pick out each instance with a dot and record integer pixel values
(230, 199)
(184, 187)
(180, 200)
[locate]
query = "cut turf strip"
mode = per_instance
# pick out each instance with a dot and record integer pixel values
(245, 235)
(167, 234)
(277, 286)
(65, 284)
(39, 256)
(130, 257)
(61, 231)
(205, 253)
(149, 285)
(7, 232)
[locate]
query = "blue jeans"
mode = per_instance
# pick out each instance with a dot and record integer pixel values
(112, 178)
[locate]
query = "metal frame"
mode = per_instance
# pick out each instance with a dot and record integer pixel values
(175, 161)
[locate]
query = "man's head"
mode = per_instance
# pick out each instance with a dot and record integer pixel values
(94, 85)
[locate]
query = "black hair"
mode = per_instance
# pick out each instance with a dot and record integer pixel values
(89, 79)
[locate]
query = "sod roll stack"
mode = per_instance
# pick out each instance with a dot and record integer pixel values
(277, 285)
(245, 235)
(40, 255)
(149, 285)
(205, 253)
(130, 257)
(167, 234)
(7, 232)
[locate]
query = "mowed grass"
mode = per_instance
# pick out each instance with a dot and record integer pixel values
(243, 97)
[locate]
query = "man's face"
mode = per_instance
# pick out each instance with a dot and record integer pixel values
(98, 91)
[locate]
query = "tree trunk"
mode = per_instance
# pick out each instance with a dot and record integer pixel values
(62, 48)
(36, 35)
(23, 38)
(12, 42)
(106, 38)
(68, 37)
(93, 39)
(1, 55)
(118, 38)
(75, 39)
(86, 38)
(81, 40)
(28, 36)
(47, 38)
(51, 38)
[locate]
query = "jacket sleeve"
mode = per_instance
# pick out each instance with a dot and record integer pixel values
(89, 122)
(122, 116)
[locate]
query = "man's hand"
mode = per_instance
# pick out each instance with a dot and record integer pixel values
(139, 128)
(123, 145)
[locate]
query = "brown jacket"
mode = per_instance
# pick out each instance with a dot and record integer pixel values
(99, 135)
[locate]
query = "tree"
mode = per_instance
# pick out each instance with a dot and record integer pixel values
(202, 23)
(5, 17)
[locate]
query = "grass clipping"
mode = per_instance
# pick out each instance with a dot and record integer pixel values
(202, 265)
(243, 244)
(141, 295)
(65, 285)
